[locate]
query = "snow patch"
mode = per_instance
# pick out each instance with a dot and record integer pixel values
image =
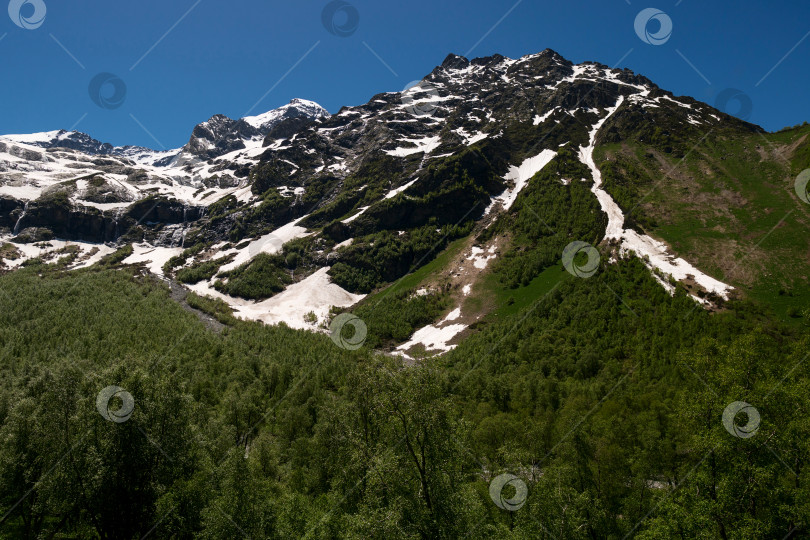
(103, 251)
(684, 105)
(656, 255)
(433, 338)
(426, 145)
(357, 215)
(315, 294)
(470, 138)
(394, 192)
(521, 176)
(540, 119)
(269, 243)
(452, 316)
(49, 249)
(345, 243)
(153, 257)
(651, 251)
(615, 216)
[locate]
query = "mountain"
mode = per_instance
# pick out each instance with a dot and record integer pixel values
(83, 189)
(365, 194)
(220, 135)
(64, 139)
(524, 298)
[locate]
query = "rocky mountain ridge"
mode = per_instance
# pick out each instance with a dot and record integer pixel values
(448, 156)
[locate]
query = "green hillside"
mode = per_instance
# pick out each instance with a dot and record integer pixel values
(725, 201)
(604, 394)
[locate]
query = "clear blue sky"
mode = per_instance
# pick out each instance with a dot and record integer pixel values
(222, 57)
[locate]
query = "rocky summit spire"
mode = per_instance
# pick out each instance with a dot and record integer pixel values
(455, 62)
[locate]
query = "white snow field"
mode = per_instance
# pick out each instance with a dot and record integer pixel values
(521, 175)
(426, 145)
(433, 338)
(315, 294)
(480, 257)
(88, 253)
(153, 257)
(270, 243)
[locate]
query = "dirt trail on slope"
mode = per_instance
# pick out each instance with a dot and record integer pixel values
(178, 293)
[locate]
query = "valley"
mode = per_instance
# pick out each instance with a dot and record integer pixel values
(353, 325)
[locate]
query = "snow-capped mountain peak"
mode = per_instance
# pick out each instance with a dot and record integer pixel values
(217, 130)
(294, 109)
(34, 138)
(221, 135)
(61, 138)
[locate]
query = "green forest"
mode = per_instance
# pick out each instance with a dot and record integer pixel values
(605, 397)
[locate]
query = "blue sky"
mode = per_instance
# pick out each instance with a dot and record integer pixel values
(185, 60)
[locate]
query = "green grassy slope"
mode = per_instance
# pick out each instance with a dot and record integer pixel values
(725, 202)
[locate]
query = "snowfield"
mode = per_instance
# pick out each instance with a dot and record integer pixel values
(315, 294)
(433, 338)
(394, 192)
(615, 216)
(270, 243)
(520, 176)
(426, 145)
(470, 138)
(180, 179)
(153, 257)
(28, 166)
(88, 253)
(481, 258)
(540, 119)
(359, 213)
